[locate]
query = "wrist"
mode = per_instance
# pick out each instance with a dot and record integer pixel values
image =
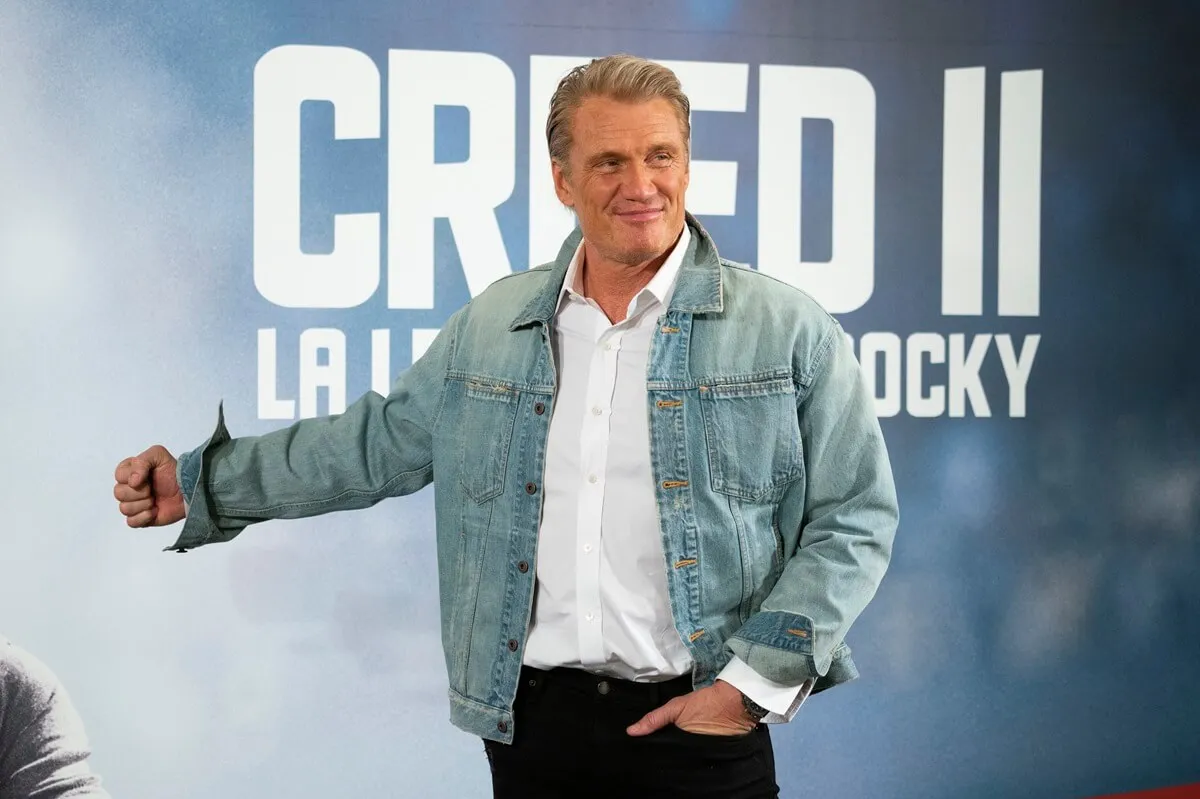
(755, 711)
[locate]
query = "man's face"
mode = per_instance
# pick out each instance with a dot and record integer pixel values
(627, 175)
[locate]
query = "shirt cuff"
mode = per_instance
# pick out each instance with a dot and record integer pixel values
(781, 701)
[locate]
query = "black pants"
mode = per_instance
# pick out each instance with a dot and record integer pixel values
(570, 743)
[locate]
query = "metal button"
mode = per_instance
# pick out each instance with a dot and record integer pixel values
(602, 687)
(523, 567)
(530, 488)
(539, 408)
(512, 644)
(502, 726)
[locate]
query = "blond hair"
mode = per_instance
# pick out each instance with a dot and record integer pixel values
(620, 77)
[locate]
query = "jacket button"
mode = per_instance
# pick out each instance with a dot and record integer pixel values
(502, 726)
(539, 408)
(512, 644)
(523, 567)
(530, 488)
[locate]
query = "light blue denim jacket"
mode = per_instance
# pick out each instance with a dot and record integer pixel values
(776, 502)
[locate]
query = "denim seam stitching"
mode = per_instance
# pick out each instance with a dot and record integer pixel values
(820, 364)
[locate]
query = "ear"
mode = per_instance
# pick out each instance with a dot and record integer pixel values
(562, 186)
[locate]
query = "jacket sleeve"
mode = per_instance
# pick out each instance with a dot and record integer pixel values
(379, 447)
(849, 520)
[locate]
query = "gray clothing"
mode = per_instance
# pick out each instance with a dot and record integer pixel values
(43, 747)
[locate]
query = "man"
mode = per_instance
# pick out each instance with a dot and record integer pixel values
(43, 747)
(663, 494)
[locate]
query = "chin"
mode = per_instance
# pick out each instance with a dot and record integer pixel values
(636, 257)
(635, 251)
(650, 241)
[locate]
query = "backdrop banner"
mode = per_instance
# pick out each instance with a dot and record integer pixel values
(276, 204)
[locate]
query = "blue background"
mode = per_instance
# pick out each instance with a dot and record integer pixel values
(1037, 634)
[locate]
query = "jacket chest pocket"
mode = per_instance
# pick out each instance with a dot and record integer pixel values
(753, 437)
(489, 411)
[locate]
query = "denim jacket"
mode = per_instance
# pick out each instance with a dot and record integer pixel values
(776, 502)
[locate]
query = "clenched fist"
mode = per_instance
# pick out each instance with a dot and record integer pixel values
(147, 489)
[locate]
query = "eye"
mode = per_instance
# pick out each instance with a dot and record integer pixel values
(661, 158)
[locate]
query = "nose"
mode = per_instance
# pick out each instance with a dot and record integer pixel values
(639, 183)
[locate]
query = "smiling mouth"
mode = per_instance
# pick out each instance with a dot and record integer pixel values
(645, 215)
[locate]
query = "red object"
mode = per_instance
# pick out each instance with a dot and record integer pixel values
(1178, 792)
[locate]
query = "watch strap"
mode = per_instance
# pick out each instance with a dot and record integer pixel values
(755, 710)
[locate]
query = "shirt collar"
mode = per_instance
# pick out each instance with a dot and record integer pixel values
(660, 287)
(699, 288)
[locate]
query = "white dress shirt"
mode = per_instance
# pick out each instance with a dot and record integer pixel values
(602, 603)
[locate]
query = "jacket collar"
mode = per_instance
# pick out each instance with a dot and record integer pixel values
(698, 290)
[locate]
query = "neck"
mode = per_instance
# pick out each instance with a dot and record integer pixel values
(613, 284)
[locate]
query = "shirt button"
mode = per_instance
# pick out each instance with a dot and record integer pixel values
(602, 687)
(530, 488)
(607, 347)
(587, 547)
(502, 726)
(512, 644)
(596, 411)
(523, 567)
(592, 478)
(589, 617)
(539, 408)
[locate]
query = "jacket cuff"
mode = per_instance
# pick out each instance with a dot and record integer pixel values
(199, 527)
(778, 645)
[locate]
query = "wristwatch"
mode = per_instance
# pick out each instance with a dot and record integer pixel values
(755, 710)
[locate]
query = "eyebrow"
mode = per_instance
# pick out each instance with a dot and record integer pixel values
(616, 156)
(605, 156)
